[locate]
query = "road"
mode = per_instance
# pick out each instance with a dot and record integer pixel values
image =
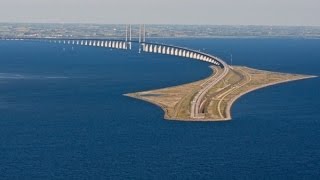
(199, 97)
(248, 79)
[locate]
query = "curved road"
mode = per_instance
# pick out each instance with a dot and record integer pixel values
(198, 99)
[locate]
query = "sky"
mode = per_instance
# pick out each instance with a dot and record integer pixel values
(209, 12)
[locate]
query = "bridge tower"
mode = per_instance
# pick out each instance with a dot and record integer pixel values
(126, 34)
(142, 37)
(130, 36)
(144, 33)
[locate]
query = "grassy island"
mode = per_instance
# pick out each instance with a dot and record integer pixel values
(216, 105)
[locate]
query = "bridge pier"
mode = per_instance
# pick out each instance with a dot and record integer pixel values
(150, 48)
(176, 52)
(146, 48)
(180, 53)
(155, 50)
(168, 51)
(160, 49)
(171, 51)
(163, 50)
(184, 53)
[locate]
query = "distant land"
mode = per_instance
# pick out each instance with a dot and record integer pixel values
(26, 30)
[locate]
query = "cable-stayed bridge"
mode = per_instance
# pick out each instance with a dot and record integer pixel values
(128, 42)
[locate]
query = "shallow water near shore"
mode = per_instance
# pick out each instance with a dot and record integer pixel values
(63, 114)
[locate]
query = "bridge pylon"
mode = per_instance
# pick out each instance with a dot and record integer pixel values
(128, 35)
(142, 37)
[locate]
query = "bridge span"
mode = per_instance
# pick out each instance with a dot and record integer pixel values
(156, 48)
(106, 43)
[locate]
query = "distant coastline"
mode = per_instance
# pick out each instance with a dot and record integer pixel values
(41, 30)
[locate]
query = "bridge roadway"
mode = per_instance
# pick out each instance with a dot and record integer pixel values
(198, 100)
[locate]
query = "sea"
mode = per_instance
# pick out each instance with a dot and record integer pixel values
(63, 114)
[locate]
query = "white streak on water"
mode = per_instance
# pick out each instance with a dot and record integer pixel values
(21, 76)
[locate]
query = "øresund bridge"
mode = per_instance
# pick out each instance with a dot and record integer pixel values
(149, 47)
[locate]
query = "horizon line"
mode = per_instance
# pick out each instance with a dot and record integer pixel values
(167, 24)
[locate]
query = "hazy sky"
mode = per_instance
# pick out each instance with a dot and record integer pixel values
(221, 12)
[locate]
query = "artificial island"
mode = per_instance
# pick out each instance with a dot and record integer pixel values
(211, 99)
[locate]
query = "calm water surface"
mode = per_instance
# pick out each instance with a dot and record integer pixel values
(62, 114)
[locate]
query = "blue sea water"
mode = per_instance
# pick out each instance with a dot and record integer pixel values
(63, 115)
